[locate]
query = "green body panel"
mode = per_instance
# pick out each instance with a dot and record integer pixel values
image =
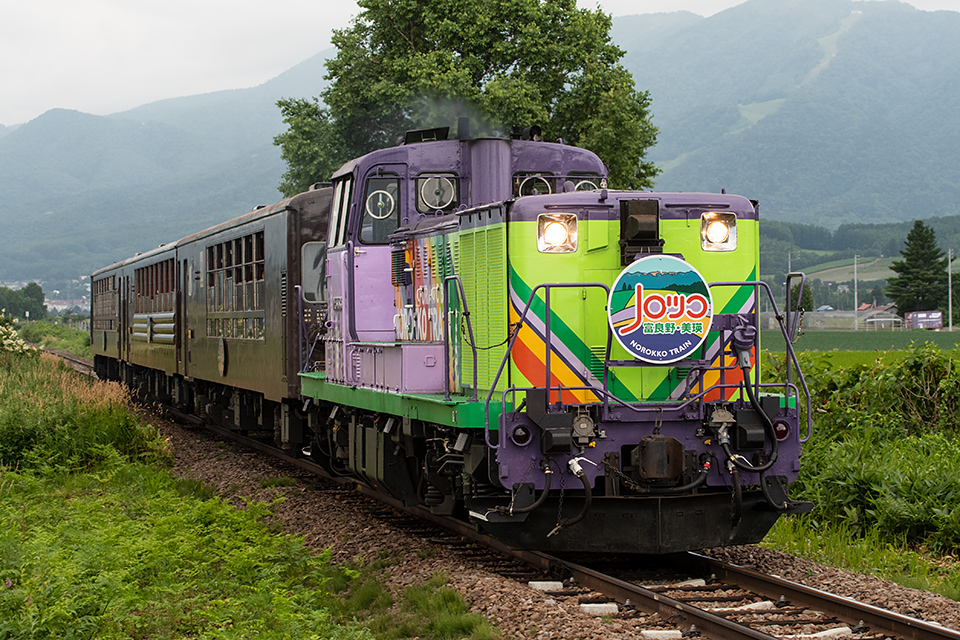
(578, 317)
(481, 264)
(457, 412)
(578, 322)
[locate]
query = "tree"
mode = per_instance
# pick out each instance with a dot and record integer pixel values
(406, 64)
(15, 302)
(921, 283)
(806, 299)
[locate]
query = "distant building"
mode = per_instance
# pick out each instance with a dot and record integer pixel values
(923, 320)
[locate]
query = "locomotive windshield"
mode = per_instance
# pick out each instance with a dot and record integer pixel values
(381, 209)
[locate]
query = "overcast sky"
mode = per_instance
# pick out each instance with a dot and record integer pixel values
(105, 56)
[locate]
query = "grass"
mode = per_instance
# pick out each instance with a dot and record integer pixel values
(838, 546)
(869, 341)
(99, 540)
(430, 611)
(120, 552)
(55, 335)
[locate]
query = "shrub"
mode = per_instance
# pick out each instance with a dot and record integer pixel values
(12, 346)
(51, 415)
(884, 454)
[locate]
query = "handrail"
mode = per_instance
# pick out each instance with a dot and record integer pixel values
(784, 329)
(513, 338)
(605, 393)
(447, 335)
(300, 328)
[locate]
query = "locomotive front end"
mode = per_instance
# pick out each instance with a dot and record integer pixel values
(628, 408)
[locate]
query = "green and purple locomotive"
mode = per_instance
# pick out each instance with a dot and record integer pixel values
(480, 326)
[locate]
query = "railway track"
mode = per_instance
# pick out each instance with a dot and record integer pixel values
(722, 601)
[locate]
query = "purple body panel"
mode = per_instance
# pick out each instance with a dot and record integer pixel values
(359, 275)
(373, 294)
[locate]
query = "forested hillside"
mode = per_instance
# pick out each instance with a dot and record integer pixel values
(78, 191)
(826, 111)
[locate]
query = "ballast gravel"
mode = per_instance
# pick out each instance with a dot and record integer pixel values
(325, 517)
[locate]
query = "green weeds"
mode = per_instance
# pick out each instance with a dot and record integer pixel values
(50, 416)
(119, 552)
(884, 454)
(98, 540)
(430, 611)
(270, 483)
(55, 335)
(881, 467)
(843, 547)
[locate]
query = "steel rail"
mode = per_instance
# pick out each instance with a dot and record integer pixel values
(845, 609)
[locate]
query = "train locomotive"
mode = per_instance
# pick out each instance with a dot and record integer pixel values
(481, 327)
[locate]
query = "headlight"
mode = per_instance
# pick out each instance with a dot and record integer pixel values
(557, 233)
(718, 231)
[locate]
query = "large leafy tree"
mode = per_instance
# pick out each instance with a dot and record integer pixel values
(406, 64)
(921, 281)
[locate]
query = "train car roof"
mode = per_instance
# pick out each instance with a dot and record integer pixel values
(262, 211)
(259, 212)
(434, 154)
(140, 257)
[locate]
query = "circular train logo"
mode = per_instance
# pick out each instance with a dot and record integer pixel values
(660, 309)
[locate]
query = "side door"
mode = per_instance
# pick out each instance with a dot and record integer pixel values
(126, 302)
(335, 273)
(185, 279)
(378, 213)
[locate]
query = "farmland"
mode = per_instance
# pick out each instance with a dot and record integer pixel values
(860, 340)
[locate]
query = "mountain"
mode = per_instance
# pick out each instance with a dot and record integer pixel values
(829, 112)
(78, 191)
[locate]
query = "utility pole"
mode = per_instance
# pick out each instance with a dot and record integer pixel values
(856, 304)
(950, 286)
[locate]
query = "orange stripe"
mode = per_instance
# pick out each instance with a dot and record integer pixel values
(531, 362)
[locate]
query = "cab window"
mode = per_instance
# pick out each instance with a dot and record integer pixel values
(337, 232)
(381, 208)
(313, 265)
(437, 192)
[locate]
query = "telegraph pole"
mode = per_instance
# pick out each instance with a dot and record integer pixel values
(950, 286)
(856, 304)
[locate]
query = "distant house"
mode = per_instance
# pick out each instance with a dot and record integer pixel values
(824, 307)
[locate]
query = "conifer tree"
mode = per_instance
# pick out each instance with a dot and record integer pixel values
(921, 282)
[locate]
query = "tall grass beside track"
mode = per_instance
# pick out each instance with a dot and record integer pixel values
(99, 540)
(882, 466)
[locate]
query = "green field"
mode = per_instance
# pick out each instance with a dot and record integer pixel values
(842, 270)
(860, 340)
